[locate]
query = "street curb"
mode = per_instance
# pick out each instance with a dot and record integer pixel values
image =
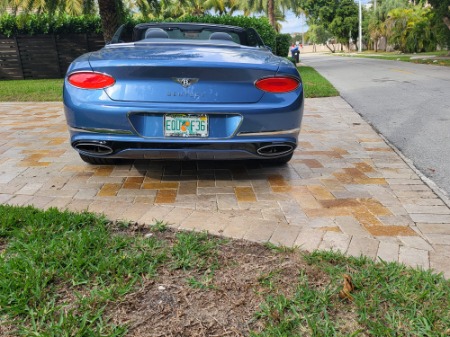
(430, 183)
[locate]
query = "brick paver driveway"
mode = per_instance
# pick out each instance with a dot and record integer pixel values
(345, 188)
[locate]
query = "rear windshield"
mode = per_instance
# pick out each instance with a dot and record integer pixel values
(190, 34)
(149, 32)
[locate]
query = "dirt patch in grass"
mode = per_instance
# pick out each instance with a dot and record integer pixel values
(222, 302)
(76, 274)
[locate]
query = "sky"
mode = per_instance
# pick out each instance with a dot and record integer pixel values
(294, 24)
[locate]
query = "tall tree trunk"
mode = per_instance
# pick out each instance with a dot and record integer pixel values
(271, 13)
(109, 17)
(447, 23)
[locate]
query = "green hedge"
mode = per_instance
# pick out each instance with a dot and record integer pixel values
(283, 43)
(33, 24)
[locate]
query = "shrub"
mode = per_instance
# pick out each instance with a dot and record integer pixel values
(32, 24)
(283, 41)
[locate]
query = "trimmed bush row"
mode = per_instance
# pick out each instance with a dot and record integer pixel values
(32, 24)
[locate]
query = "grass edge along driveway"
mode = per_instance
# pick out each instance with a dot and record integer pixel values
(78, 274)
(438, 58)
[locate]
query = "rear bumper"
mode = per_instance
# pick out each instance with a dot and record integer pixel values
(202, 150)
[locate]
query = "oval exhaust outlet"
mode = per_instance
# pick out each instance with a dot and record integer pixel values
(93, 148)
(275, 150)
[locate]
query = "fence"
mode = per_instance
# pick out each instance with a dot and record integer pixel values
(43, 56)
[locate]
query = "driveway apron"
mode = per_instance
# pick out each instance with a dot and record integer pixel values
(345, 189)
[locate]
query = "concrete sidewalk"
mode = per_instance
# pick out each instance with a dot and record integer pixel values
(345, 189)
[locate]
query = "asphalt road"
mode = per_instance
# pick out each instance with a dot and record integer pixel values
(409, 104)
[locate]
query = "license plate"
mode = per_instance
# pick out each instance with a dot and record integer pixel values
(180, 125)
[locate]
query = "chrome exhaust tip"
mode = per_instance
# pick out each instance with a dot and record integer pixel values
(93, 148)
(275, 150)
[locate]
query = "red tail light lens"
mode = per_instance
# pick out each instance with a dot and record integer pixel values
(277, 84)
(91, 80)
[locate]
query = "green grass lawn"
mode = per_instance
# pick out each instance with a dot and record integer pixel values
(31, 90)
(435, 58)
(314, 84)
(77, 274)
(51, 90)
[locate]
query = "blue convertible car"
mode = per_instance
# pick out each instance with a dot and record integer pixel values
(184, 91)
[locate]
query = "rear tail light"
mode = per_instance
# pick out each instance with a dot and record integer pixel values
(90, 80)
(277, 84)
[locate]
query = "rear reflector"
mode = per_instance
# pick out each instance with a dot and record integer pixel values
(277, 84)
(90, 80)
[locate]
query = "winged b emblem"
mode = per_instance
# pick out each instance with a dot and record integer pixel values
(184, 81)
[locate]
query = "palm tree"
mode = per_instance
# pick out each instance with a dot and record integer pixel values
(111, 14)
(73, 7)
(271, 13)
(410, 29)
(11, 5)
(148, 8)
(274, 9)
(89, 7)
(51, 7)
(191, 7)
(223, 7)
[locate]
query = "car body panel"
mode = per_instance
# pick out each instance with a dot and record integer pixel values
(145, 63)
(195, 78)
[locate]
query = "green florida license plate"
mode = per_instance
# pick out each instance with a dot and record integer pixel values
(180, 125)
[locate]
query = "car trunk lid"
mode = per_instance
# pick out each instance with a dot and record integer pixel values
(197, 74)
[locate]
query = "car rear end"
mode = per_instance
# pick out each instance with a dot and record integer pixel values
(164, 100)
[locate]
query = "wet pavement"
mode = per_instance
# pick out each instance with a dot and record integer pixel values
(345, 189)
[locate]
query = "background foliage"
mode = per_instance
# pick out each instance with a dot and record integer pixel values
(33, 24)
(441, 20)
(113, 12)
(283, 41)
(408, 26)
